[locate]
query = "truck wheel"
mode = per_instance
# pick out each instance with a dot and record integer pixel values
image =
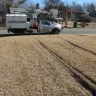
(55, 31)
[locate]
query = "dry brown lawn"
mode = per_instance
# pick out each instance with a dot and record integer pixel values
(48, 65)
(91, 25)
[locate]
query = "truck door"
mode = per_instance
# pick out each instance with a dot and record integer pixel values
(45, 25)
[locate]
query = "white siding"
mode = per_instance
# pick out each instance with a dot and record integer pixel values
(54, 12)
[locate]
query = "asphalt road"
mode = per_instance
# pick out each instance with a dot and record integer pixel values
(79, 31)
(65, 31)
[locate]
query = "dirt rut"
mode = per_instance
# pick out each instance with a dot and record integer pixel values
(49, 65)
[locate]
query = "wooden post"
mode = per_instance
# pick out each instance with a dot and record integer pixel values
(66, 16)
(71, 13)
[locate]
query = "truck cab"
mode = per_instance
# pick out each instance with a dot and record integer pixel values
(46, 26)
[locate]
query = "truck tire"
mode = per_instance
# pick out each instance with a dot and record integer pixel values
(55, 31)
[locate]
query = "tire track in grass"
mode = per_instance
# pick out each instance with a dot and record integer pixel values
(94, 82)
(75, 45)
(75, 73)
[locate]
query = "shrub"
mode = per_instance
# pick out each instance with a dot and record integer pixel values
(84, 19)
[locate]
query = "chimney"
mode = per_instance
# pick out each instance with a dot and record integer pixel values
(37, 6)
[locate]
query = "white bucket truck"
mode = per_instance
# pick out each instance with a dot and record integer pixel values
(20, 22)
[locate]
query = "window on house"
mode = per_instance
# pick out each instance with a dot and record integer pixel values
(68, 15)
(78, 15)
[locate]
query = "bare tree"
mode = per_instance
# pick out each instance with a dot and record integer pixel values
(32, 6)
(90, 9)
(19, 2)
(77, 7)
(51, 3)
(6, 4)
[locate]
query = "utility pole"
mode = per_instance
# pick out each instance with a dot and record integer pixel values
(71, 13)
(71, 10)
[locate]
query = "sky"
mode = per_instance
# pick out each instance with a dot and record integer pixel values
(69, 1)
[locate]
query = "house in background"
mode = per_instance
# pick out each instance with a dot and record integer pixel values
(70, 15)
(66, 13)
(93, 19)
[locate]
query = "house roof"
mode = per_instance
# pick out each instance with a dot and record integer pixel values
(67, 10)
(73, 11)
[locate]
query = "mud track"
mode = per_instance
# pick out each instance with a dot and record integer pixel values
(75, 45)
(75, 73)
(48, 65)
